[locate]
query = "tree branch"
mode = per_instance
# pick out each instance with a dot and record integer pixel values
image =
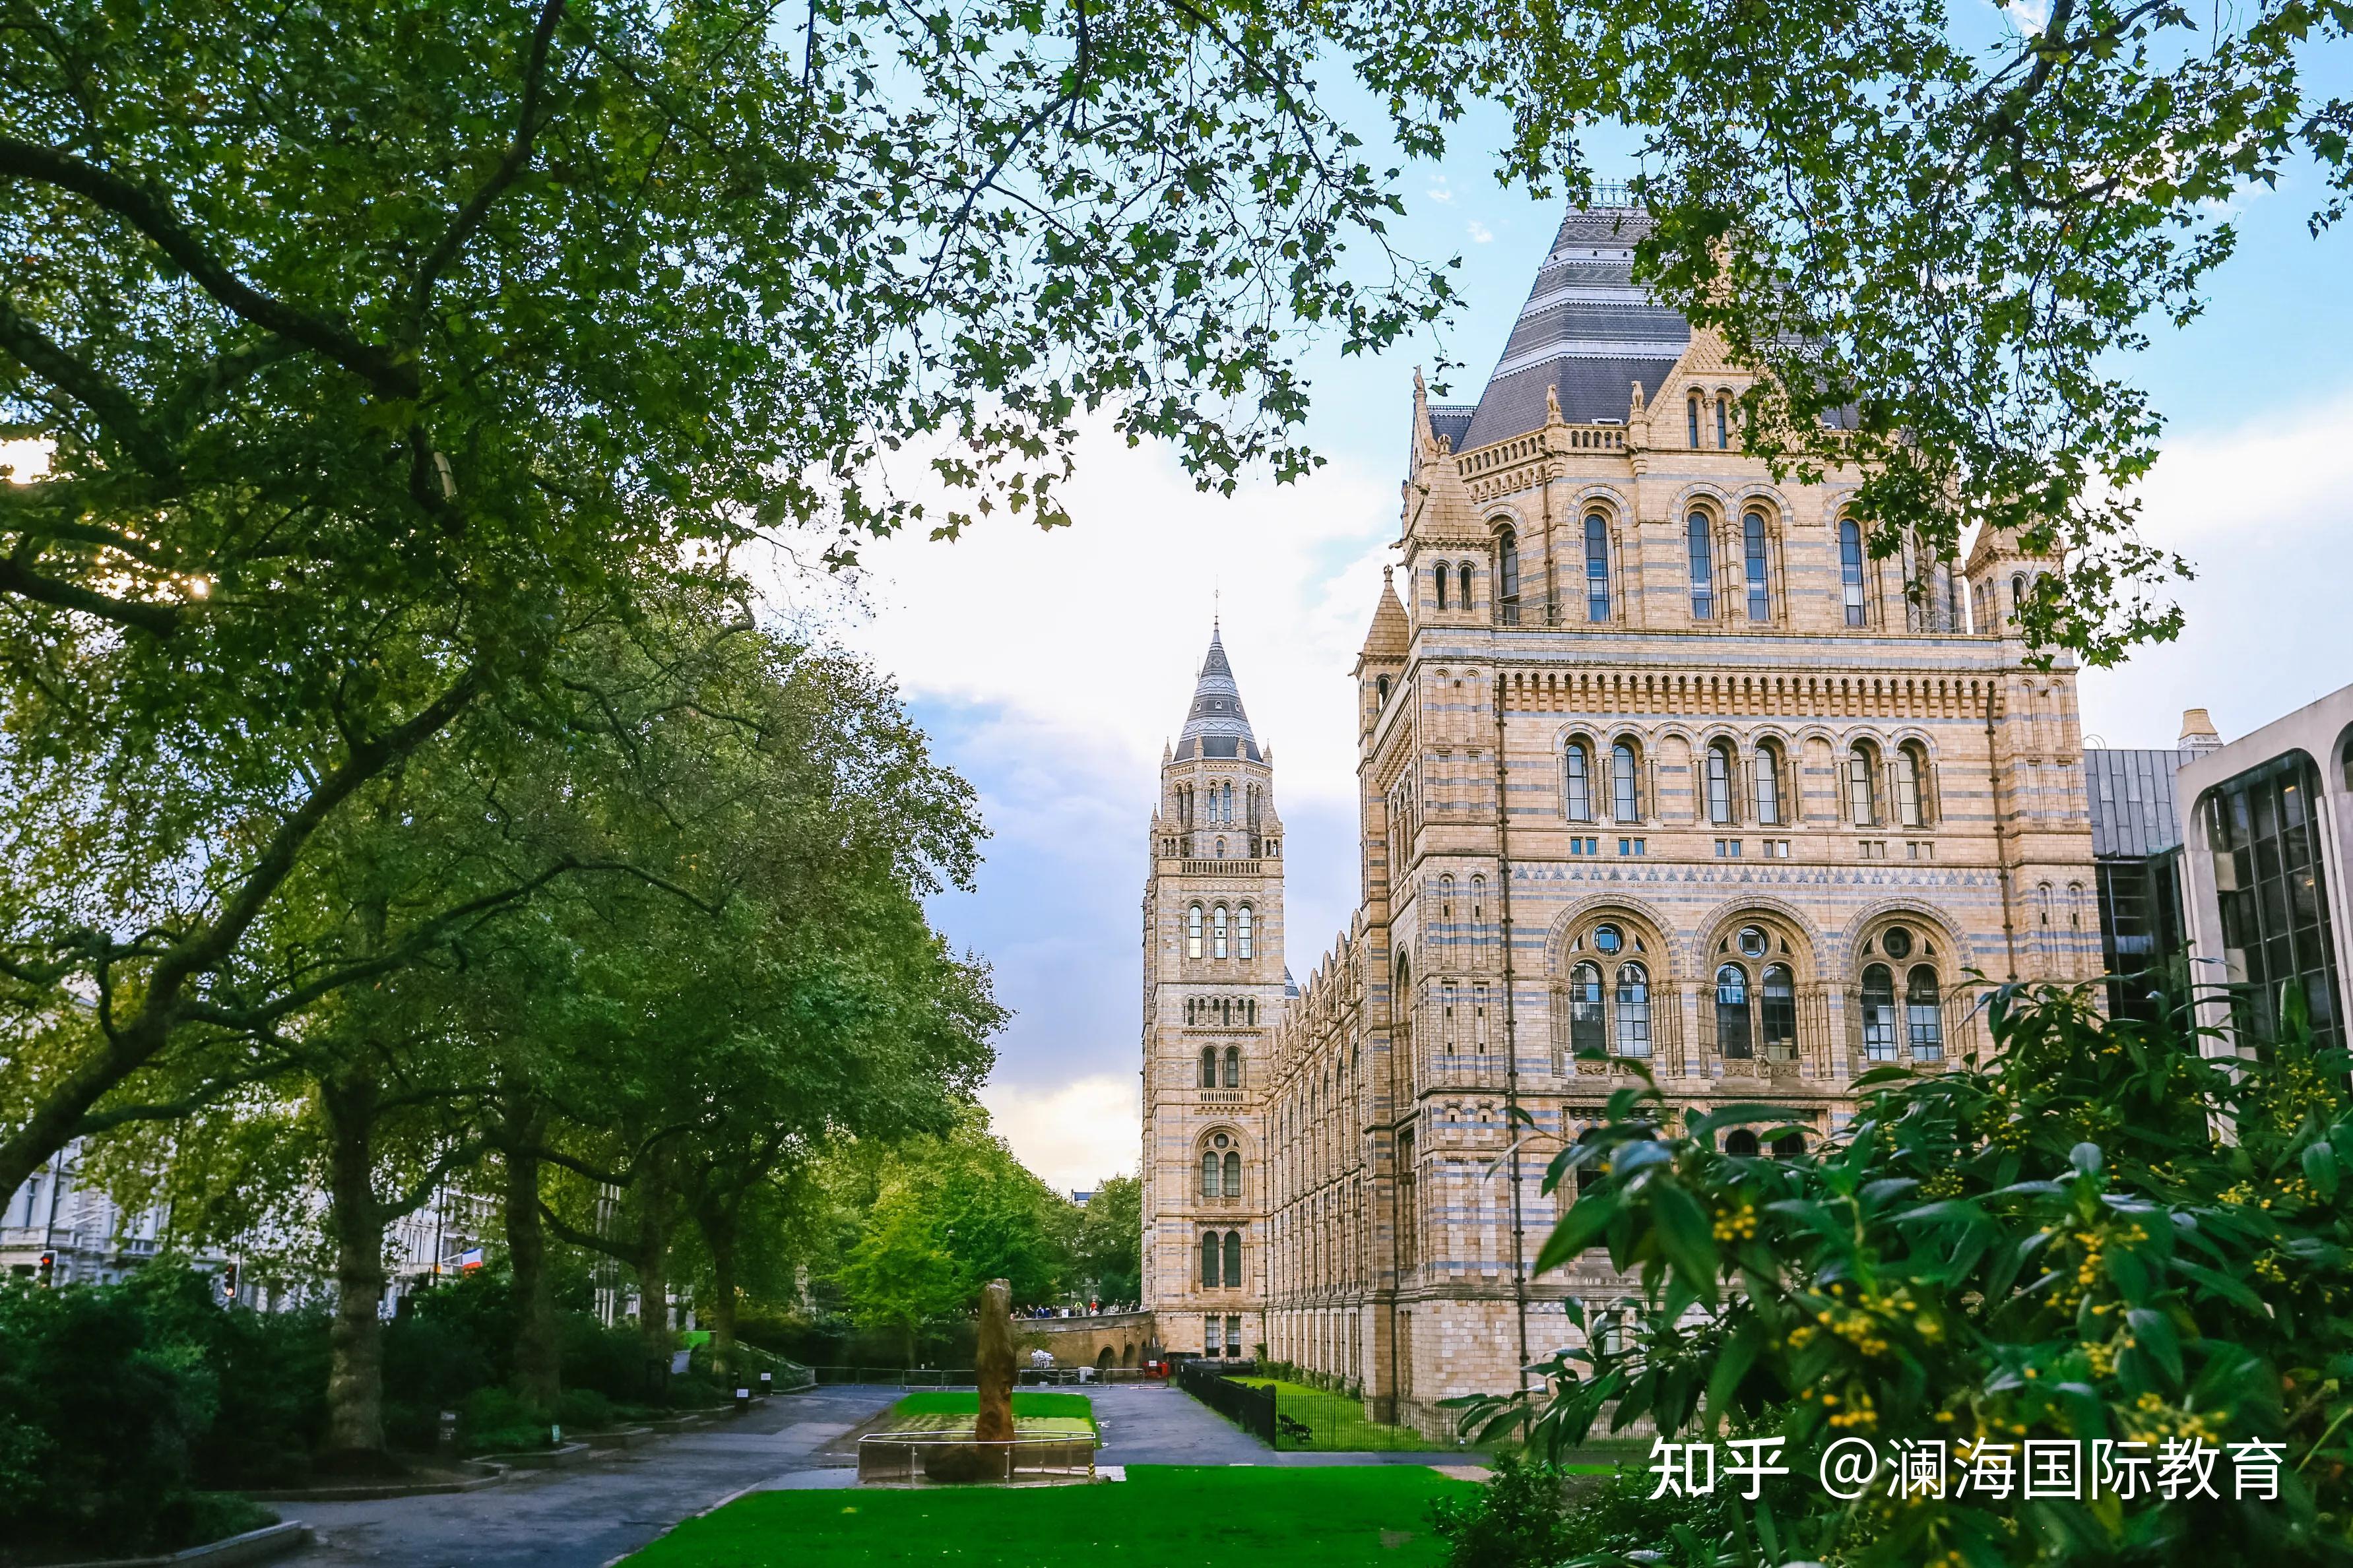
(117, 411)
(153, 217)
(156, 620)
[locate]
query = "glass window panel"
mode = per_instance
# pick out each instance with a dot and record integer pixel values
(1733, 1036)
(1879, 1012)
(1233, 1175)
(1923, 1014)
(1586, 1028)
(1719, 784)
(1209, 1271)
(1625, 796)
(1597, 567)
(1507, 566)
(1752, 540)
(1234, 1261)
(1777, 1013)
(1210, 1183)
(1703, 568)
(1577, 782)
(1633, 1010)
(1861, 794)
(1768, 786)
(1851, 570)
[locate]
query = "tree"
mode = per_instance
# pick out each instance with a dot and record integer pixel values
(949, 1215)
(2096, 1235)
(381, 348)
(1108, 1253)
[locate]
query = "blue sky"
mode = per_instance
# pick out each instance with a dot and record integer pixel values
(1049, 669)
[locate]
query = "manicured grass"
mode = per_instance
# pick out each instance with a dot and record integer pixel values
(1160, 1517)
(1036, 1411)
(1336, 1424)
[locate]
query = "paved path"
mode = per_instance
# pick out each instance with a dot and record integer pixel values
(589, 1516)
(585, 1517)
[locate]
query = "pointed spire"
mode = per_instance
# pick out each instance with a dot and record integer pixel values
(1385, 640)
(1215, 725)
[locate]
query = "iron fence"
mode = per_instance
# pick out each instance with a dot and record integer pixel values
(1251, 1409)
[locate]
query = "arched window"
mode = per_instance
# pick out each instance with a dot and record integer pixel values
(2017, 598)
(1911, 786)
(1577, 782)
(1587, 1033)
(1597, 567)
(1437, 580)
(1863, 787)
(1924, 1015)
(1719, 781)
(1625, 786)
(1233, 1259)
(1768, 785)
(1751, 552)
(1210, 1184)
(1851, 568)
(1590, 1171)
(1741, 1142)
(1242, 939)
(1234, 1067)
(1507, 571)
(1777, 1010)
(1691, 409)
(1879, 1012)
(1723, 422)
(1230, 803)
(1233, 1175)
(1462, 577)
(1193, 932)
(1208, 1066)
(1733, 1040)
(1702, 567)
(1209, 1251)
(1633, 1010)
(1217, 932)
(1790, 1145)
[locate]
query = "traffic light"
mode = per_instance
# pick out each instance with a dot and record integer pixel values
(48, 1267)
(229, 1279)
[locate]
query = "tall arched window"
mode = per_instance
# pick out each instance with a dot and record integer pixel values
(1777, 1010)
(1217, 932)
(1879, 1012)
(1234, 1260)
(1719, 781)
(1633, 1010)
(1463, 580)
(1437, 580)
(1507, 574)
(1740, 1142)
(1577, 782)
(1702, 567)
(1193, 932)
(1851, 569)
(1751, 552)
(1234, 1067)
(1625, 784)
(1597, 567)
(1768, 785)
(1210, 1255)
(1723, 422)
(1209, 1184)
(2017, 598)
(1243, 940)
(1863, 787)
(1233, 1175)
(1208, 1066)
(1587, 1035)
(1911, 786)
(1923, 1014)
(1691, 409)
(1733, 1039)
(1381, 687)
(1445, 935)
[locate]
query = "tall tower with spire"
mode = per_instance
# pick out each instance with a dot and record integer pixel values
(1213, 990)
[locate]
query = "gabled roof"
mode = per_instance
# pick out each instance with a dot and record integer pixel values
(1588, 333)
(1215, 725)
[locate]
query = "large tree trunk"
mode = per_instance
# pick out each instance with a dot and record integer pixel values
(652, 1264)
(355, 1222)
(538, 1370)
(718, 1224)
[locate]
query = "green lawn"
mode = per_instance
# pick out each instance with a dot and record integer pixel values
(1160, 1517)
(1336, 1424)
(1037, 1413)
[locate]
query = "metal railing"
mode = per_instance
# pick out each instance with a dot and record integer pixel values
(942, 1458)
(1251, 1409)
(965, 1377)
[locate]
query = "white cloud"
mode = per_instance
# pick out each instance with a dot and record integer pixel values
(2260, 512)
(1437, 191)
(1073, 1134)
(1480, 234)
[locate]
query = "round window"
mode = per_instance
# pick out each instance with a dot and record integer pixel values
(1752, 940)
(1897, 941)
(1218, 1141)
(1608, 939)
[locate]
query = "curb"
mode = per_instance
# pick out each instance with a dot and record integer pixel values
(253, 1546)
(564, 1458)
(396, 1490)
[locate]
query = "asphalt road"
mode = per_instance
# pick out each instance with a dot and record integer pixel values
(591, 1515)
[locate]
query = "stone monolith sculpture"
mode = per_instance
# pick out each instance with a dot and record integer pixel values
(994, 1363)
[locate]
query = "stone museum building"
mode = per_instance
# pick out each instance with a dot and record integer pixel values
(1657, 766)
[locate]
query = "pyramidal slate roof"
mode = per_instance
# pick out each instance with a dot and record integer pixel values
(1587, 331)
(1215, 725)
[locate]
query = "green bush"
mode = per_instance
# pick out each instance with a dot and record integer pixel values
(106, 1395)
(2099, 1234)
(584, 1409)
(1516, 1520)
(498, 1421)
